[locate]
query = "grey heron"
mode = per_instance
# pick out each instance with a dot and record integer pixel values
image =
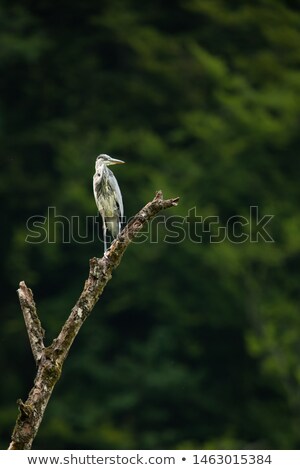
(108, 196)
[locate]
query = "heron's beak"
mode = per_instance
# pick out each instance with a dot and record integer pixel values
(114, 161)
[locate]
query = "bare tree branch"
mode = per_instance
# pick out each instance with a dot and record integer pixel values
(50, 360)
(32, 322)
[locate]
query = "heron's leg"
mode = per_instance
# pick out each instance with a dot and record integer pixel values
(104, 237)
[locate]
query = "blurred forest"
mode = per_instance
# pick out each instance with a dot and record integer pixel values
(192, 345)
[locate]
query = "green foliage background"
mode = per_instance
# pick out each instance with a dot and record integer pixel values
(193, 345)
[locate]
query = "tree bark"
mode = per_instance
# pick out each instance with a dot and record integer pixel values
(50, 359)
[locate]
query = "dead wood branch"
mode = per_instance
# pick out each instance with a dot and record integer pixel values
(50, 360)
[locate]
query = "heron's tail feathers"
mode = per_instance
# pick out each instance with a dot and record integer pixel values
(113, 225)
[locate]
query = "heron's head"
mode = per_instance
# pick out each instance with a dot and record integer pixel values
(104, 159)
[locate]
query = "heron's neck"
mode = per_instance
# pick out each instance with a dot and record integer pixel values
(101, 169)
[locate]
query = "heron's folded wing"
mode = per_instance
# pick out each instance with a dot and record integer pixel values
(117, 192)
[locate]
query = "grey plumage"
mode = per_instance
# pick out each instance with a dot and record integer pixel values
(108, 196)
